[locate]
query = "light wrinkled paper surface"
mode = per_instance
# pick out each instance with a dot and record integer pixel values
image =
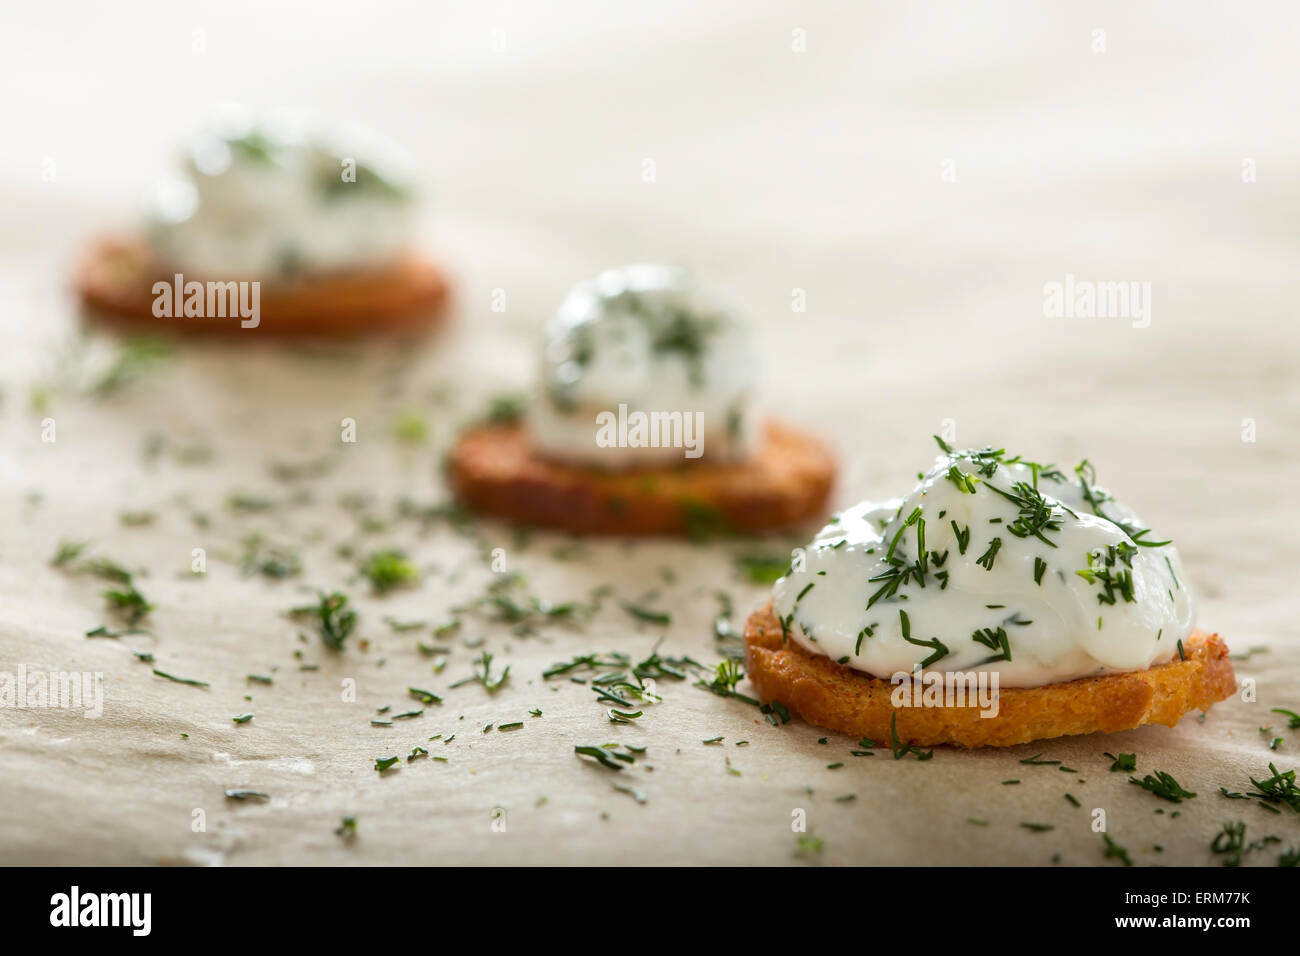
(775, 171)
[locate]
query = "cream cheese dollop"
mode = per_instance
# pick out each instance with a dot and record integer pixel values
(277, 198)
(643, 339)
(990, 564)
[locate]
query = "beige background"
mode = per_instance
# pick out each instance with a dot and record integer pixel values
(776, 170)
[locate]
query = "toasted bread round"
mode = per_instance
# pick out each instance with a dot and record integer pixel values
(840, 698)
(495, 470)
(116, 279)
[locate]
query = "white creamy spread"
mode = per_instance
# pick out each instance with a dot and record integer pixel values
(644, 337)
(990, 563)
(275, 199)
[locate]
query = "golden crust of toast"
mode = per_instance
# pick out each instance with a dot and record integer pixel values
(837, 697)
(115, 280)
(495, 470)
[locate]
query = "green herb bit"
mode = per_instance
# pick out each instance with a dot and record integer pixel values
(1114, 851)
(388, 570)
(965, 483)
(128, 602)
(104, 631)
(505, 408)
(940, 649)
(1036, 514)
(702, 522)
(484, 677)
(271, 562)
(1279, 788)
(1164, 786)
(866, 632)
(727, 675)
(763, 569)
(962, 535)
(333, 619)
(249, 503)
(1293, 719)
(137, 356)
(1104, 568)
(637, 795)
(995, 640)
(986, 559)
(900, 749)
(68, 552)
(808, 845)
(644, 614)
(601, 754)
(912, 519)
(1096, 497)
(181, 680)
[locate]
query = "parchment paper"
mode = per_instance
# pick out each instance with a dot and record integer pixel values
(774, 171)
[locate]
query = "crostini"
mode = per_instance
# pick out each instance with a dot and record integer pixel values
(285, 226)
(643, 424)
(1001, 601)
